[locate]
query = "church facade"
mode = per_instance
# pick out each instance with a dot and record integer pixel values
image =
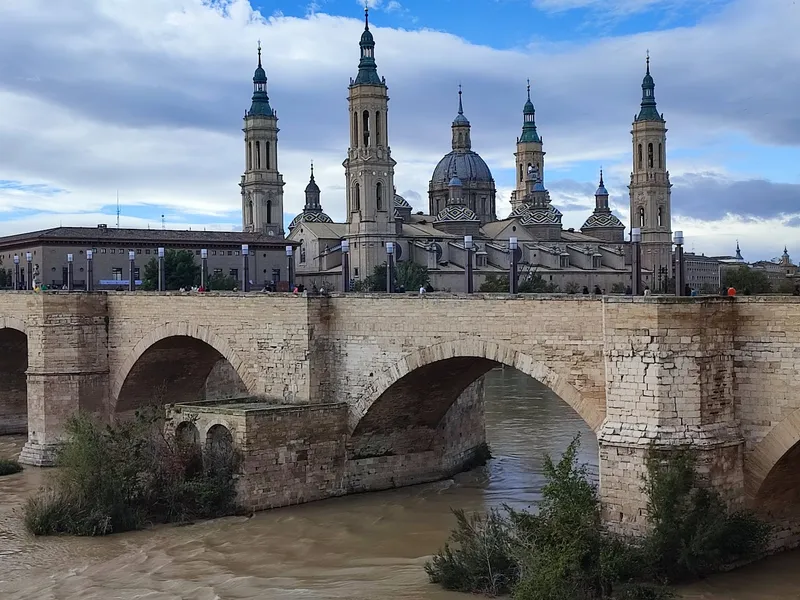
(461, 202)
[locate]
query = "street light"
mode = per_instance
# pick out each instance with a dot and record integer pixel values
(132, 271)
(161, 275)
(513, 246)
(290, 264)
(468, 262)
(245, 267)
(16, 271)
(29, 258)
(204, 268)
(677, 239)
(636, 260)
(70, 274)
(89, 270)
(389, 267)
(345, 265)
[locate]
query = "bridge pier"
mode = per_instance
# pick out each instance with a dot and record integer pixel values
(67, 368)
(670, 385)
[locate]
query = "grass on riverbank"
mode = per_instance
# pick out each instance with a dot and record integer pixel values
(127, 476)
(9, 466)
(563, 552)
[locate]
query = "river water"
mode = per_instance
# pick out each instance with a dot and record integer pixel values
(370, 546)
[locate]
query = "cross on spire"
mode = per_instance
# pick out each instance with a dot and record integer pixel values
(460, 106)
(259, 53)
(529, 89)
(648, 61)
(366, 15)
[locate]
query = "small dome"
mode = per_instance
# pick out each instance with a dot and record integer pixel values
(456, 212)
(528, 108)
(260, 75)
(312, 186)
(310, 217)
(400, 202)
(367, 39)
(460, 120)
(542, 216)
(598, 220)
(455, 182)
(601, 191)
(469, 167)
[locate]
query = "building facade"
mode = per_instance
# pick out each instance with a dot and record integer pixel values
(462, 202)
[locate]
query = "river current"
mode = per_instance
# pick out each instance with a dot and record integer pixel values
(369, 546)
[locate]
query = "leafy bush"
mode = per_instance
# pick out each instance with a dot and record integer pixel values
(127, 476)
(563, 552)
(9, 467)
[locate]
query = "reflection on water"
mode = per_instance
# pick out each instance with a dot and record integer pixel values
(369, 546)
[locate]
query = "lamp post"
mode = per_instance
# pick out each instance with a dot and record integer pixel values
(677, 239)
(513, 246)
(29, 258)
(468, 262)
(204, 268)
(345, 265)
(89, 270)
(663, 279)
(161, 275)
(636, 260)
(70, 274)
(389, 267)
(290, 266)
(131, 271)
(245, 268)
(16, 271)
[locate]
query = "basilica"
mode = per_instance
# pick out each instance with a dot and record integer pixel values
(461, 202)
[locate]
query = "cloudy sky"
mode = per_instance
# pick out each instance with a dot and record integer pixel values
(145, 98)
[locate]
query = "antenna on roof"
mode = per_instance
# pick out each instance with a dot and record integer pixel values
(162, 222)
(117, 209)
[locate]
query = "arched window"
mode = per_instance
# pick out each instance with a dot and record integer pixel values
(249, 156)
(258, 155)
(650, 155)
(269, 212)
(520, 171)
(268, 155)
(483, 205)
(357, 197)
(302, 251)
(377, 128)
(660, 157)
(379, 195)
(460, 139)
(250, 212)
(365, 128)
(660, 216)
(641, 216)
(355, 130)
(640, 156)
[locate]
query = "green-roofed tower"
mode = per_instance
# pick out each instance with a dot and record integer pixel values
(262, 184)
(650, 196)
(369, 167)
(529, 152)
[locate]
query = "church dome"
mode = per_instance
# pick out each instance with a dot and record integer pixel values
(310, 217)
(456, 212)
(597, 220)
(468, 166)
(400, 202)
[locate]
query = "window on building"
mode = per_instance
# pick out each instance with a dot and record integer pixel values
(102, 250)
(365, 128)
(355, 129)
(379, 195)
(217, 271)
(660, 157)
(113, 251)
(269, 212)
(230, 252)
(276, 275)
(357, 197)
(597, 262)
(641, 216)
(564, 262)
(234, 273)
(640, 156)
(269, 159)
(302, 252)
(122, 250)
(355, 271)
(197, 252)
(660, 216)
(377, 128)
(214, 253)
(147, 251)
(116, 273)
(258, 155)
(236, 253)
(650, 155)
(138, 251)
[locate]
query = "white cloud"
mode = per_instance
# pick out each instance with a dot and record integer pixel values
(146, 97)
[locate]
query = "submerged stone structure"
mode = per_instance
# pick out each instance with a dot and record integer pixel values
(352, 393)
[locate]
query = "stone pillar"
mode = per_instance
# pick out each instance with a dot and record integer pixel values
(67, 367)
(669, 385)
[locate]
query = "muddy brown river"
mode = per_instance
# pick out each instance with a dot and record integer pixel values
(371, 546)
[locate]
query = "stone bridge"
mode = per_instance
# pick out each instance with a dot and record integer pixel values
(376, 391)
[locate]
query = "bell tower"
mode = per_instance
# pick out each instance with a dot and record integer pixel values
(369, 167)
(529, 152)
(650, 202)
(262, 184)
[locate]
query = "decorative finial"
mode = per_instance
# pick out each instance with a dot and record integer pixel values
(460, 106)
(529, 89)
(601, 176)
(366, 16)
(648, 61)
(312, 169)
(259, 53)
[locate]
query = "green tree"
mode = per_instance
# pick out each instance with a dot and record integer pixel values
(221, 283)
(180, 271)
(744, 278)
(408, 274)
(534, 284)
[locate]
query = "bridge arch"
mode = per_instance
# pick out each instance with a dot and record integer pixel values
(13, 378)
(445, 370)
(181, 355)
(772, 467)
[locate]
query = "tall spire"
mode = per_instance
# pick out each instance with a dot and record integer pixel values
(601, 196)
(312, 194)
(529, 133)
(260, 105)
(460, 119)
(461, 128)
(649, 111)
(367, 69)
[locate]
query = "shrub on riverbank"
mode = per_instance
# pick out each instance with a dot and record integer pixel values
(563, 552)
(9, 467)
(127, 476)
